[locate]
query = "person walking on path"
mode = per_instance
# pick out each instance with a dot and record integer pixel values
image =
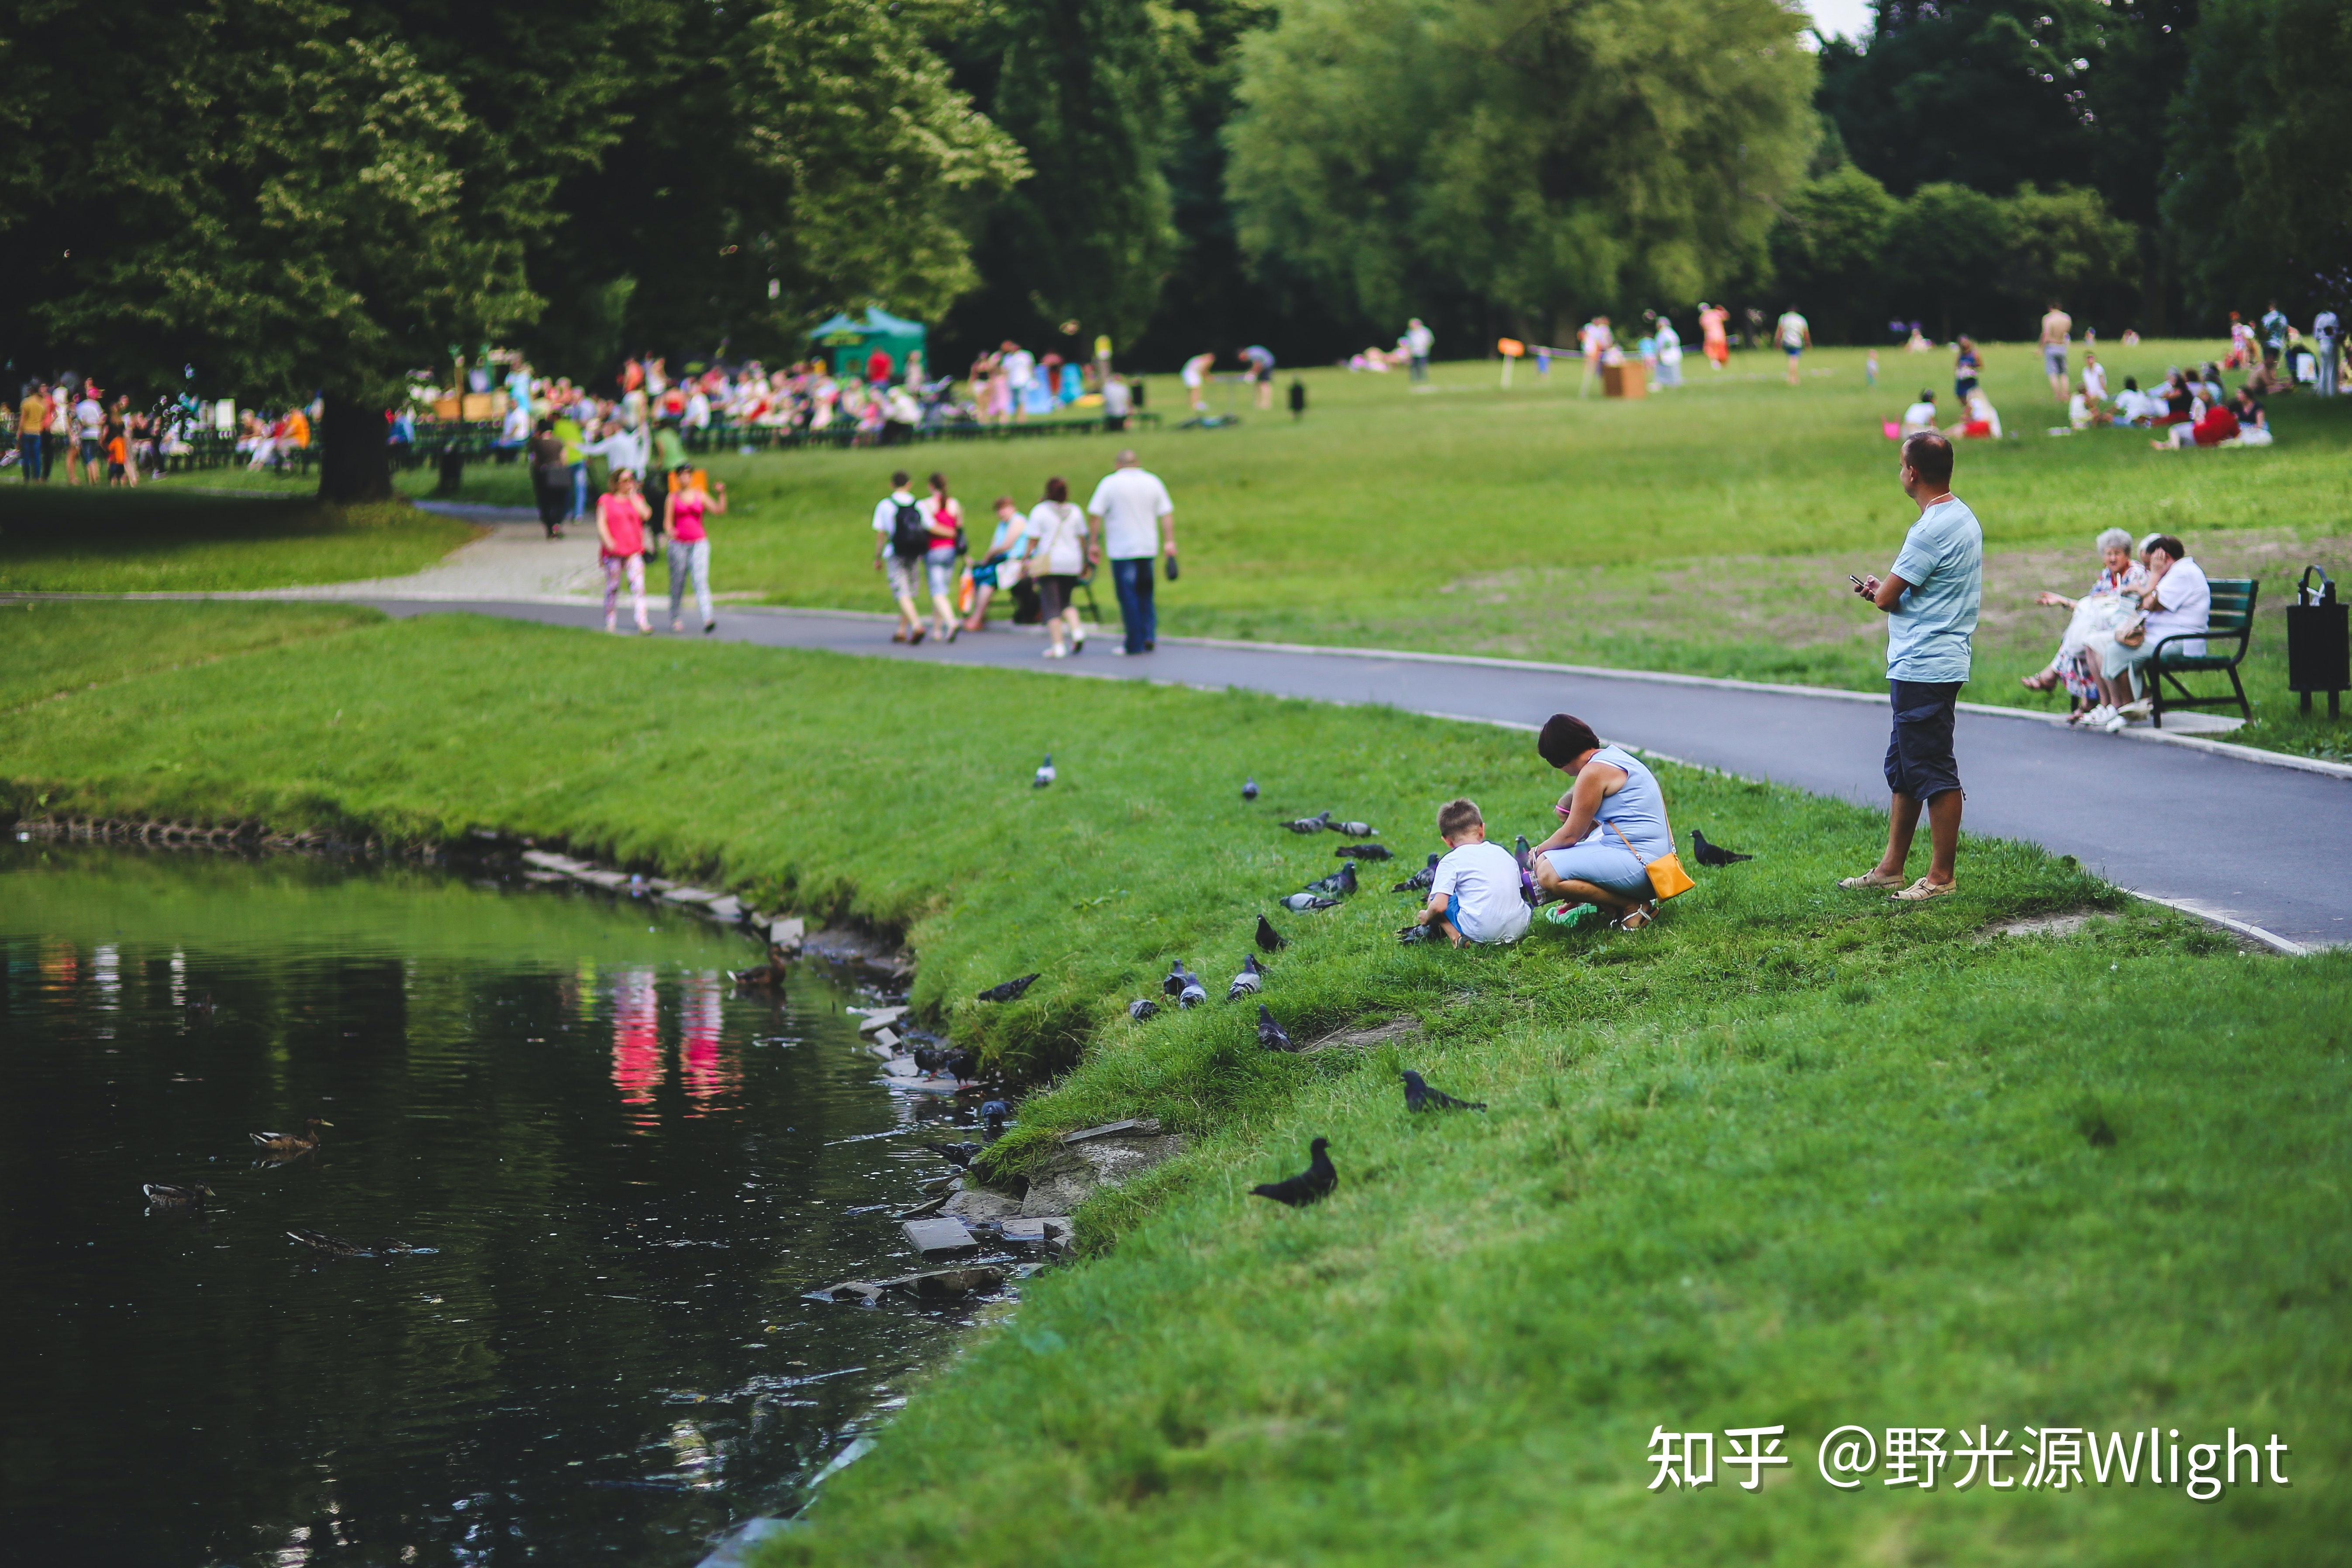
(1930, 596)
(943, 526)
(621, 515)
(689, 544)
(32, 433)
(551, 478)
(900, 542)
(2057, 332)
(1131, 521)
(1795, 336)
(1057, 557)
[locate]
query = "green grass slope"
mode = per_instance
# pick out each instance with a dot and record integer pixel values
(175, 536)
(1791, 1156)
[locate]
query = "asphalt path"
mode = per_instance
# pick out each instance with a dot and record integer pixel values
(2262, 848)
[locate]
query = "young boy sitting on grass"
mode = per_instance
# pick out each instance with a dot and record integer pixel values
(1475, 894)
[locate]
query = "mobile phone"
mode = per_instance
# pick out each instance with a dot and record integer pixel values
(1853, 579)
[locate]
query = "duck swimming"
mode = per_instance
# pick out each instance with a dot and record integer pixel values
(170, 1198)
(300, 1143)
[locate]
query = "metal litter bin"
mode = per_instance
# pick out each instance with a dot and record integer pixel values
(2318, 651)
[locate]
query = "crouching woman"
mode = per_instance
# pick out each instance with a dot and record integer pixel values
(1613, 825)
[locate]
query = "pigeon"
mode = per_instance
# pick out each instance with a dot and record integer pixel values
(1421, 880)
(1419, 1096)
(169, 1197)
(1271, 1034)
(1010, 991)
(1194, 994)
(1249, 789)
(1246, 983)
(1310, 824)
(1354, 829)
(1363, 851)
(1413, 933)
(1340, 882)
(957, 1154)
(1707, 854)
(1173, 986)
(961, 1065)
(1142, 1007)
(1268, 939)
(1310, 1185)
(1299, 903)
(1045, 773)
(992, 1116)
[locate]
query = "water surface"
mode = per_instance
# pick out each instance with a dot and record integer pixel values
(626, 1173)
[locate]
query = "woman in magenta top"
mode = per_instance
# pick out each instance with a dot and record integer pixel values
(689, 544)
(621, 545)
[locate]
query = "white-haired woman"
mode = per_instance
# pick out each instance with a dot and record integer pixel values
(2095, 618)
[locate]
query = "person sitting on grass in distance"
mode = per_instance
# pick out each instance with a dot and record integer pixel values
(2215, 423)
(1613, 825)
(2253, 424)
(1474, 896)
(1983, 422)
(1920, 416)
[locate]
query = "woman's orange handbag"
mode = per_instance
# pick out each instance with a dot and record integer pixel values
(1666, 875)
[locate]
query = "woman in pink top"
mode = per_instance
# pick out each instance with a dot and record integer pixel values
(621, 545)
(689, 545)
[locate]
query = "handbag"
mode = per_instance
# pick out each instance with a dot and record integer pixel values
(1666, 875)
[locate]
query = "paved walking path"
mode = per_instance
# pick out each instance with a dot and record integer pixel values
(2257, 845)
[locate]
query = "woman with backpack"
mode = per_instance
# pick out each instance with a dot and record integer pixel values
(1057, 559)
(943, 520)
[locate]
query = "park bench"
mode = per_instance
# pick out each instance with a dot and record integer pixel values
(2232, 620)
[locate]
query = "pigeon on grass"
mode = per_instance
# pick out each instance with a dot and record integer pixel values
(1339, 884)
(1419, 1096)
(1353, 829)
(1310, 824)
(1312, 1185)
(1045, 773)
(1010, 991)
(1299, 903)
(1421, 880)
(1707, 854)
(1271, 1034)
(1365, 851)
(1247, 982)
(1249, 789)
(1194, 994)
(1268, 939)
(1142, 1007)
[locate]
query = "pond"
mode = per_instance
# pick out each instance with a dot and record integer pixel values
(618, 1174)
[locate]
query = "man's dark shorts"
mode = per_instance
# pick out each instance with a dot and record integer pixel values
(1919, 753)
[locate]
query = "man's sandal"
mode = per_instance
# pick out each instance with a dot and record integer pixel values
(1924, 889)
(1870, 881)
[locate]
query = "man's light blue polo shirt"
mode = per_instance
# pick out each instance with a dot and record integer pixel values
(1928, 630)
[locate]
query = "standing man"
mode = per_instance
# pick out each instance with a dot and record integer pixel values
(2325, 332)
(90, 432)
(1930, 596)
(1020, 370)
(1131, 519)
(1596, 339)
(1795, 336)
(902, 539)
(2057, 332)
(32, 432)
(1418, 340)
(1260, 360)
(2275, 325)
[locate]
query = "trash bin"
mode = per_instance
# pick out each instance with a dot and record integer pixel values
(2318, 652)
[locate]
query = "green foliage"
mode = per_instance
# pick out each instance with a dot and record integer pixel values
(1544, 161)
(1826, 252)
(2260, 205)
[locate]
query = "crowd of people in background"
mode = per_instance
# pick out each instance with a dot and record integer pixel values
(72, 424)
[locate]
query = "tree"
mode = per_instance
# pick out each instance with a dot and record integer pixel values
(1826, 248)
(2259, 192)
(1944, 260)
(1518, 158)
(2064, 244)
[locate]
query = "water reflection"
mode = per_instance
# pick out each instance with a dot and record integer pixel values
(627, 1172)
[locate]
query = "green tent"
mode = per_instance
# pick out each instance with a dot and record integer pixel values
(848, 340)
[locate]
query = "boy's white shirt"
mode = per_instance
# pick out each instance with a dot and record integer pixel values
(1487, 879)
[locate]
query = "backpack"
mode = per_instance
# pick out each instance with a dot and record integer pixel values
(909, 538)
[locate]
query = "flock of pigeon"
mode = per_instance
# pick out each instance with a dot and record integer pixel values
(1185, 988)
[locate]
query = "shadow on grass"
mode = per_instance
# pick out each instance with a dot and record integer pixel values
(163, 538)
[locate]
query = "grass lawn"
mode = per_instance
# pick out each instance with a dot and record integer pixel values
(1707, 529)
(1790, 1156)
(175, 536)
(57, 645)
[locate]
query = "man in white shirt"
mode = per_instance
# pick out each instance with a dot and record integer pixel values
(1795, 336)
(1020, 370)
(1119, 402)
(1131, 521)
(2178, 600)
(1474, 895)
(89, 431)
(902, 569)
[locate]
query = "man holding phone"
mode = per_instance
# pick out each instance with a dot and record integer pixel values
(1930, 596)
